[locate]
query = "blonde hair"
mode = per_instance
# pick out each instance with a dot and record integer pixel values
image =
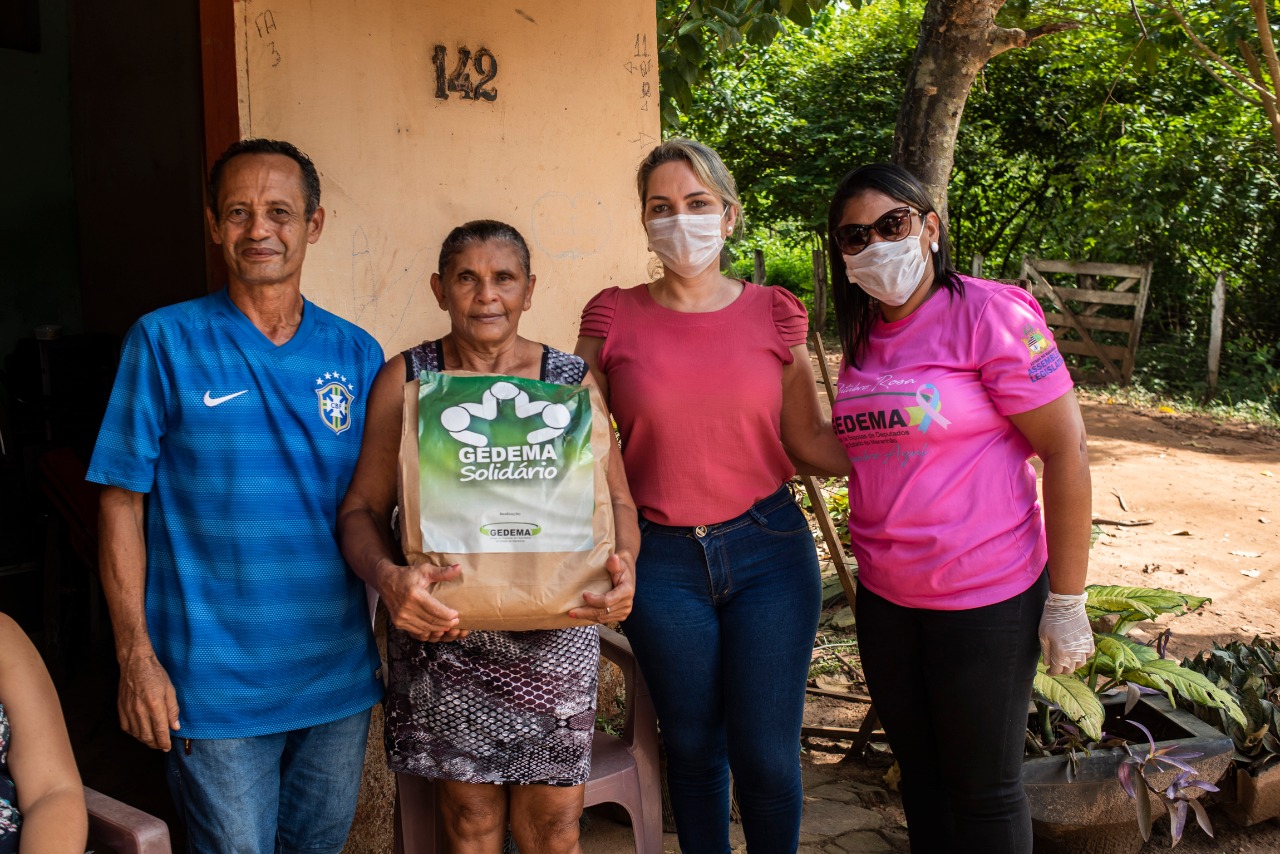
(704, 162)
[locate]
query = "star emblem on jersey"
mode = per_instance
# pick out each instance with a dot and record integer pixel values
(335, 396)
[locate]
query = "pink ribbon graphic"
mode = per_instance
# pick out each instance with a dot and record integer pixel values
(932, 406)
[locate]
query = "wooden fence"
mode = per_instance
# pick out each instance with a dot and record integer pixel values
(1075, 314)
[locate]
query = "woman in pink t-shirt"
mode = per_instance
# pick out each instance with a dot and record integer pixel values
(949, 385)
(710, 384)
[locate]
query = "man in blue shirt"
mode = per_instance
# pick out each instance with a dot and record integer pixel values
(243, 639)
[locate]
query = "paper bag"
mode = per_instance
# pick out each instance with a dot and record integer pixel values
(509, 478)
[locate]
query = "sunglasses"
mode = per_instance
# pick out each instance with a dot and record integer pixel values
(893, 226)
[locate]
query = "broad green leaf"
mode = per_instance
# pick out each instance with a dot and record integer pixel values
(1075, 699)
(727, 17)
(1150, 602)
(1196, 688)
(1120, 653)
(1152, 680)
(800, 15)
(1195, 602)
(1133, 656)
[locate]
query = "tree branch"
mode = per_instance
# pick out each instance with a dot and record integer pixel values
(1008, 38)
(1259, 8)
(1127, 59)
(1207, 51)
(1225, 83)
(1255, 68)
(1265, 40)
(1133, 5)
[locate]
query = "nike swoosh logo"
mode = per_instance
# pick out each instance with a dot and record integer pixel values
(211, 401)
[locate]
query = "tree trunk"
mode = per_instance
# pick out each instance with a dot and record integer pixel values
(957, 39)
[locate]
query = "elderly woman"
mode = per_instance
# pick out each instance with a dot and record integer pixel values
(709, 381)
(471, 710)
(949, 385)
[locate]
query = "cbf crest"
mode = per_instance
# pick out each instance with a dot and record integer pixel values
(335, 397)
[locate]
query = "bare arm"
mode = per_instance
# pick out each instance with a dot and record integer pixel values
(147, 703)
(50, 795)
(806, 430)
(1056, 432)
(364, 520)
(588, 349)
(616, 604)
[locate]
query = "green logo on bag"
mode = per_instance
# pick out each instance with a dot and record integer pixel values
(464, 422)
(511, 530)
(505, 464)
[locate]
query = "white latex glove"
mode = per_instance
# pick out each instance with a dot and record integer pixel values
(1065, 637)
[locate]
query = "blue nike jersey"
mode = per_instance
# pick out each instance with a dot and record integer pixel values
(246, 448)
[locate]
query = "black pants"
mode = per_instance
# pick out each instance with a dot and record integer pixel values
(951, 689)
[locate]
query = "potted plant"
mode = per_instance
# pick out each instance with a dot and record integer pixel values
(1081, 722)
(1251, 674)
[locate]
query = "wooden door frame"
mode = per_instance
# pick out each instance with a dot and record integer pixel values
(221, 104)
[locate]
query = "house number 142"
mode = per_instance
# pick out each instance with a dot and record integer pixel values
(485, 65)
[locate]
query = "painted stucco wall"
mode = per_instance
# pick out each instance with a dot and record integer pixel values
(550, 143)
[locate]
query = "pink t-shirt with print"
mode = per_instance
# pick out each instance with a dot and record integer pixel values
(943, 511)
(698, 398)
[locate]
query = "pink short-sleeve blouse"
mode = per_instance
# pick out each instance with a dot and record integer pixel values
(698, 398)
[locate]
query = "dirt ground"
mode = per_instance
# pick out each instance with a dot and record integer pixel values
(1211, 493)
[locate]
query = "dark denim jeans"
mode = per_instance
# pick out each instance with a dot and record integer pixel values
(951, 689)
(723, 628)
(287, 792)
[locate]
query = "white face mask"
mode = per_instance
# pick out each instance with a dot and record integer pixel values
(686, 243)
(889, 271)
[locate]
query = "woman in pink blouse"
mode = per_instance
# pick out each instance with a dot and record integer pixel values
(710, 384)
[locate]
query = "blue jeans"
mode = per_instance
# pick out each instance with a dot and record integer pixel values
(286, 792)
(951, 689)
(723, 627)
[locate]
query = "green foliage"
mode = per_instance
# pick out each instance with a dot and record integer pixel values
(1075, 147)
(1251, 674)
(1172, 678)
(693, 33)
(1221, 35)
(786, 118)
(1142, 393)
(1118, 660)
(1075, 698)
(1134, 604)
(1248, 378)
(835, 492)
(786, 264)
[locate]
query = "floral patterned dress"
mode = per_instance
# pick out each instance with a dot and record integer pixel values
(494, 707)
(10, 818)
